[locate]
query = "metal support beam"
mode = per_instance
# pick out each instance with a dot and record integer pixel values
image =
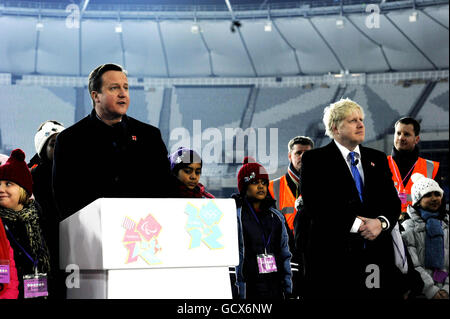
(122, 46)
(415, 110)
(83, 5)
(36, 49)
(294, 50)
(380, 46)
(412, 42)
(255, 73)
(434, 19)
(163, 47)
(211, 66)
(328, 45)
(80, 49)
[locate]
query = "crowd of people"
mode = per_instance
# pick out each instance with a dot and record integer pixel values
(345, 221)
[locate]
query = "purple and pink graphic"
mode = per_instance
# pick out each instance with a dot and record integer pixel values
(140, 239)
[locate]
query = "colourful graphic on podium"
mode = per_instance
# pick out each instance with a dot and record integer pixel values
(203, 225)
(140, 239)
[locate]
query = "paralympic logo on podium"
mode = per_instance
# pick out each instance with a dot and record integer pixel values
(141, 239)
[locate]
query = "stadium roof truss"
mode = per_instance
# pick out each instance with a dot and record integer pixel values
(191, 42)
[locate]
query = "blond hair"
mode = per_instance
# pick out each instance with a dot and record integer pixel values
(336, 112)
(24, 198)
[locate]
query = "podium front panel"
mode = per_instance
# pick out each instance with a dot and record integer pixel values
(117, 233)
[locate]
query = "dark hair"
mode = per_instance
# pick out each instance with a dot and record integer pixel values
(303, 140)
(95, 77)
(410, 120)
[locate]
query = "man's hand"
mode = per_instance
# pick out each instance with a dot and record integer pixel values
(370, 228)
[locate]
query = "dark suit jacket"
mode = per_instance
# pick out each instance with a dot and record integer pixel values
(335, 259)
(94, 160)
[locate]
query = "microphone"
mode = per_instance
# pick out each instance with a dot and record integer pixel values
(356, 162)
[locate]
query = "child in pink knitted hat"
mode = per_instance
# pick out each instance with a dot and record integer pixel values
(20, 215)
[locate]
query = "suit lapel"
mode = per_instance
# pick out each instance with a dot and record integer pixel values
(366, 164)
(341, 169)
(370, 171)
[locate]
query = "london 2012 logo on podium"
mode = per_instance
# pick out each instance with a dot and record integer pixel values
(203, 225)
(141, 239)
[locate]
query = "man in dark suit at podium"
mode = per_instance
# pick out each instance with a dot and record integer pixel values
(351, 207)
(109, 154)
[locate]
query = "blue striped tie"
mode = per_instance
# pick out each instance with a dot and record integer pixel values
(356, 175)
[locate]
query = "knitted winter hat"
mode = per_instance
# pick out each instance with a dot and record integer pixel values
(16, 170)
(423, 186)
(182, 157)
(250, 170)
(47, 130)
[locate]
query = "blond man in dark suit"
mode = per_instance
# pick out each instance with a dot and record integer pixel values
(351, 206)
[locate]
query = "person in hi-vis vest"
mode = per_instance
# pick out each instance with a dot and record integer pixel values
(405, 161)
(285, 189)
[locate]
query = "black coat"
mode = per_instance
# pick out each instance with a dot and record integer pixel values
(43, 194)
(335, 259)
(93, 160)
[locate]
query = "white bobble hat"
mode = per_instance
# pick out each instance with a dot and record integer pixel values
(47, 130)
(3, 159)
(423, 186)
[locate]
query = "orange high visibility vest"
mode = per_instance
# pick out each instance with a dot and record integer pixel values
(425, 167)
(281, 192)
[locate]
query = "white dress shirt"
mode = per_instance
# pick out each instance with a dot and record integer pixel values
(345, 154)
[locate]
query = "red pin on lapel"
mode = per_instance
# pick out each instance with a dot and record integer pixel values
(372, 163)
(134, 138)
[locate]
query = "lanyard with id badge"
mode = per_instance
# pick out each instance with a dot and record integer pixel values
(4, 271)
(266, 262)
(34, 285)
(402, 195)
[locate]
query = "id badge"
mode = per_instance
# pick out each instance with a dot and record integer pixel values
(266, 263)
(403, 197)
(440, 276)
(4, 272)
(35, 286)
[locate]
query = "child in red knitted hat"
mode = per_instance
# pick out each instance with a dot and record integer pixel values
(264, 269)
(20, 215)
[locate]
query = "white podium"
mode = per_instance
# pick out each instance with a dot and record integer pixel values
(151, 248)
